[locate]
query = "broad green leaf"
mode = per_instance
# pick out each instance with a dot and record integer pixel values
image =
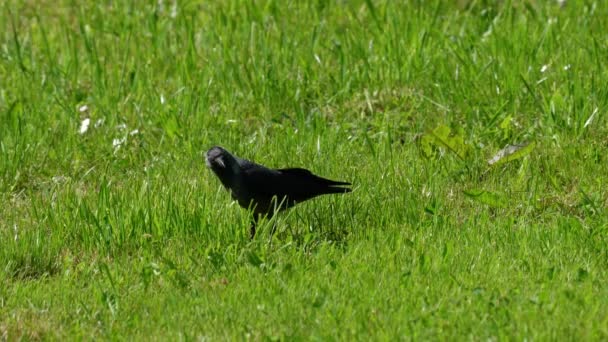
(444, 137)
(486, 197)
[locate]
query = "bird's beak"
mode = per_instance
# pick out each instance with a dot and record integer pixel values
(220, 161)
(217, 161)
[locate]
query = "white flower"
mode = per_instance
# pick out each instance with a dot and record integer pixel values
(116, 143)
(84, 126)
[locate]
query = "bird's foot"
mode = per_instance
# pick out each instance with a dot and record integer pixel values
(252, 231)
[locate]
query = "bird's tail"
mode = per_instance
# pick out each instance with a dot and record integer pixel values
(333, 183)
(321, 185)
(338, 190)
(334, 187)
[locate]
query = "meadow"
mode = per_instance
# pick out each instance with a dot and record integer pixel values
(474, 132)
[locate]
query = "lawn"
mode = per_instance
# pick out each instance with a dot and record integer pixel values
(474, 133)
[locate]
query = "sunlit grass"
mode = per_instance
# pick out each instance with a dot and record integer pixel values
(474, 135)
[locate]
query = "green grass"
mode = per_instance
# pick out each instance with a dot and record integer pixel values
(122, 233)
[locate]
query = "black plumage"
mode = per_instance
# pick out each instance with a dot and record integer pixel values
(265, 190)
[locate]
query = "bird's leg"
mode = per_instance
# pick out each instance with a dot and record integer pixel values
(254, 223)
(252, 229)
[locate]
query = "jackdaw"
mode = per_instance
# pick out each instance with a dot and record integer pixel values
(264, 190)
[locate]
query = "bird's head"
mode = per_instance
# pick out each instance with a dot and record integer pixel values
(223, 164)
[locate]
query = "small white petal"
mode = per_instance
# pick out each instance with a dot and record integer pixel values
(544, 68)
(84, 126)
(317, 58)
(83, 108)
(567, 67)
(133, 132)
(117, 142)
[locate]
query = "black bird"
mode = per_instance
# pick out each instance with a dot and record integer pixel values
(265, 190)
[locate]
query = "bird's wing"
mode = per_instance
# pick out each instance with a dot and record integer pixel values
(295, 184)
(265, 182)
(306, 175)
